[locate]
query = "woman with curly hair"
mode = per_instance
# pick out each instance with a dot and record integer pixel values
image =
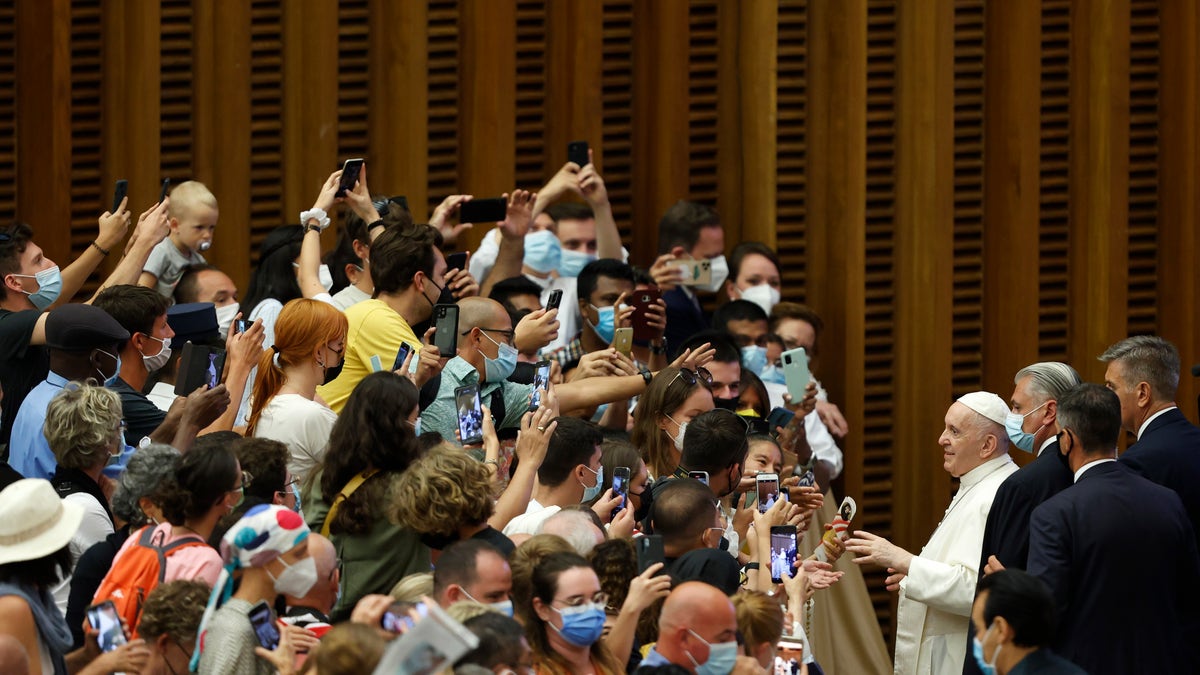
(170, 619)
(674, 397)
(345, 499)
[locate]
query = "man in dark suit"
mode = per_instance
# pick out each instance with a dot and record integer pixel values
(1116, 550)
(1014, 620)
(1144, 372)
(688, 230)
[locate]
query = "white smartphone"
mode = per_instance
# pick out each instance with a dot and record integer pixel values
(768, 490)
(795, 373)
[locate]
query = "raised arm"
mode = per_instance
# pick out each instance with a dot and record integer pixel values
(152, 228)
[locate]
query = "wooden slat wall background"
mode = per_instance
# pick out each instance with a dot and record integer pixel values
(56, 168)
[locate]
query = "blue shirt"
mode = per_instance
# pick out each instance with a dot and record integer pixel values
(653, 658)
(442, 415)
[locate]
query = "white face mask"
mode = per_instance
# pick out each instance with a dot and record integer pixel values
(325, 277)
(762, 295)
(225, 318)
(159, 360)
(678, 438)
(720, 272)
(297, 580)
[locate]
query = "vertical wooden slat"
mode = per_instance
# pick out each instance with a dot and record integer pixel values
(221, 142)
(1179, 199)
(399, 121)
(617, 105)
(443, 140)
(44, 123)
(1010, 194)
(310, 115)
(574, 79)
(532, 124)
(132, 70)
(8, 112)
(1053, 304)
(924, 261)
(791, 185)
(1099, 109)
(660, 117)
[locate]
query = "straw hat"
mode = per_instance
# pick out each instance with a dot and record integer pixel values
(34, 521)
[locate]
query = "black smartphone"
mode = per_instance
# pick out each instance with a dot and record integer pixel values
(649, 551)
(456, 261)
(779, 417)
(350, 171)
(445, 338)
(541, 380)
(783, 551)
(396, 618)
(242, 325)
(491, 210)
(119, 191)
(264, 626)
(554, 300)
(199, 365)
(400, 356)
(104, 618)
(162, 194)
(470, 415)
(701, 476)
(577, 151)
(620, 486)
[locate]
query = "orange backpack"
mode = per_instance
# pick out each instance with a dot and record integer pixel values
(140, 569)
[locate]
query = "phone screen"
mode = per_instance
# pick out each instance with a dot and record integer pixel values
(107, 622)
(783, 551)
(241, 325)
(264, 626)
(701, 476)
(768, 491)
(620, 485)
(541, 380)
(400, 356)
(397, 620)
(470, 415)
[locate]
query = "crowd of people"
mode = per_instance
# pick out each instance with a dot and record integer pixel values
(275, 479)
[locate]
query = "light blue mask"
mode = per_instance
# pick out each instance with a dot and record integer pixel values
(505, 607)
(606, 328)
(754, 358)
(589, 493)
(110, 381)
(1019, 437)
(772, 373)
(49, 287)
(977, 651)
(499, 368)
(296, 494)
(573, 262)
(582, 625)
(721, 657)
(543, 252)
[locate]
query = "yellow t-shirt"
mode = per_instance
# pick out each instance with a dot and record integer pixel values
(374, 330)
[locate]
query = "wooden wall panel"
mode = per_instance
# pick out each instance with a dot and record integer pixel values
(399, 121)
(701, 169)
(617, 121)
(532, 166)
(91, 110)
(1143, 167)
(175, 68)
(791, 147)
(965, 101)
(266, 122)
(310, 109)
(353, 90)
(443, 143)
(574, 35)
(1052, 231)
(8, 113)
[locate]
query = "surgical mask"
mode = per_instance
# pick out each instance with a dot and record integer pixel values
(773, 374)
(589, 493)
(573, 262)
(721, 657)
(296, 494)
(754, 358)
(297, 580)
(543, 252)
(582, 625)
(416, 427)
(763, 295)
(499, 368)
(505, 607)
(1019, 437)
(720, 272)
(159, 360)
(606, 327)
(49, 286)
(112, 379)
(225, 317)
(678, 438)
(977, 652)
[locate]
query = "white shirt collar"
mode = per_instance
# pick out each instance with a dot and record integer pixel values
(1151, 418)
(983, 471)
(1089, 465)
(1045, 444)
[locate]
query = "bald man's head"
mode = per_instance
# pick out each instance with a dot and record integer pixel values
(323, 553)
(695, 616)
(477, 312)
(483, 325)
(323, 594)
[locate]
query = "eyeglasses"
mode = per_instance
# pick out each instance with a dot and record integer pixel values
(247, 481)
(600, 599)
(690, 377)
(508, 334)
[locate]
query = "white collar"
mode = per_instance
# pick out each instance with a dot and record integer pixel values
(1142, 429)
(983, 471)
(1089, 465)
(1045, 444)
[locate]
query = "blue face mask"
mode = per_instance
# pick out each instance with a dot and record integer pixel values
(296, 494)
(573, 262)
(111, 380)
(977, 651)
(589, 493)
(1019, 437)
(607, 325)
(754, 358)
(499, 368)
(49, 287)
(772, 373)
(721, 657)
(543, 252)
(505, 607)
(582, 625)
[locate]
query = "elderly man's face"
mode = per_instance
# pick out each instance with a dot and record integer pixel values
(962, 440)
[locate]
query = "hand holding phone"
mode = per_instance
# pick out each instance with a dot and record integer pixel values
(402, 354)
(491, 210)
(783, 551)
(264, 626)
(795, 373)
(768, 490)
(456, 261)
(445, 338)
(620, 486)
(577, 151)
(541, 382)
(649, 551)
(119, 192)
(350, 171)
(162, 194)
(470, 415)
(107, 624)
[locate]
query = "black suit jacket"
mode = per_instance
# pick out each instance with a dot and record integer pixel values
(1045, 662)
(1117, 552)
(684, 318)
(1168, 453)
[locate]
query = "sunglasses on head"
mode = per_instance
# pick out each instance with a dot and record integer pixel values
(700, 375)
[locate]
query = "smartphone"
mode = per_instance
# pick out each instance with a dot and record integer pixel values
(396, 618)
(554, 300)
(445, 319)
(779, 417)
(264, 626)
(491, 210)
(620, 485)
(400, 356)
(623, 341)
(350, 171)
(701, 476)
(199, 365)
(162, 194)
(577, 151)
(470, 415)
(104, 618)
(641, 301)
(456, 261)
(541, 380)
(783, 551)
(768, 490)
(119, 191)
(795, 373)
(241, 325)
(649, 551)
(695, 272)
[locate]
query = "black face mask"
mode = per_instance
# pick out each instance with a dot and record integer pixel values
(438, 542)
(729, 404)
(646, 500)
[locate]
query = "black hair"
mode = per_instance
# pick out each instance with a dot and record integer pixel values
(681, 225)
(726, 347)
(275, 278)
(136, 308)
(504, 291)
(573, 443)
(43, 573)
(737, 310)
(751, 382)
(1093, 414)
(203, 477)
(570, 211)
(585, 284)
(746, 248)
(336, 260)
(266, 460)
(499, 641)
(683, 509)
(714, 441)
(13, 243)
(391, 214)
(457, 564)
(398, 253)
(1024, 601)
(186, 290)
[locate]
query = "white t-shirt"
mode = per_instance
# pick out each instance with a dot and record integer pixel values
(348, 297)
(819, 438)
(167, 264)
(301, 424)
(568, 309)
(529, 522)
(94, 527)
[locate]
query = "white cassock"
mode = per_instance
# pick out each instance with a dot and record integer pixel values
(934, 612)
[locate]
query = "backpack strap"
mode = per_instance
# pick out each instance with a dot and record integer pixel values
(348, 490)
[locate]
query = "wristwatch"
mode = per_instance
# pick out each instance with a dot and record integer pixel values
(319, 215)
(659, 348)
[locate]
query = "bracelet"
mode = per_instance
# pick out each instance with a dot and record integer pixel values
(647, 377)
(492, 461)
(658, 349)
(750, 566)
(103, 251)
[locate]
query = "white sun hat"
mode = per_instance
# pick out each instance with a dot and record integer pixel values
(34, 521)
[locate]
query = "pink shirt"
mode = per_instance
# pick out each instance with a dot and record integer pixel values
(192, 562)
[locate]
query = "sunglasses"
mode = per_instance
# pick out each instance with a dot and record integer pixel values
(691, 378)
